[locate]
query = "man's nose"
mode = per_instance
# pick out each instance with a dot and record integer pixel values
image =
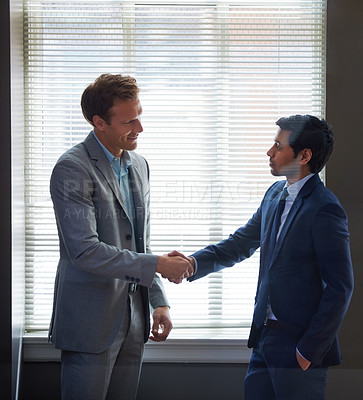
(137, 126)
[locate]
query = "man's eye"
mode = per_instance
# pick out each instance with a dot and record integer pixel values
(129, 122)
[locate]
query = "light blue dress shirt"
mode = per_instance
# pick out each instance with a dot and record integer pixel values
(120, 166)
(293, 191)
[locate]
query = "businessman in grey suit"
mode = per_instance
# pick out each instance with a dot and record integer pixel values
(106, 281)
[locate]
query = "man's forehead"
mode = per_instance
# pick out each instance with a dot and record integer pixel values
(126, 106)
(282, 136)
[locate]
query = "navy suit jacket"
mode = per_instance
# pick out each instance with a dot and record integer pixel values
(309, 272)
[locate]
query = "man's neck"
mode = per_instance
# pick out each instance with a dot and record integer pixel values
(115, 152)
(293, 179)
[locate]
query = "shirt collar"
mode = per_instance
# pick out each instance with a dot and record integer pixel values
(109, 155)
(295, 188)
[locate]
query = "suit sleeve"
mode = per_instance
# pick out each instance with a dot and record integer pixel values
(331, 241)
(71, 190)
(239, 246)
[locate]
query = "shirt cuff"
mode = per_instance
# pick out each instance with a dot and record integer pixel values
(195, 265)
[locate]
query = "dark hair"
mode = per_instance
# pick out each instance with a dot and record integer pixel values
(309, 132)
(99, 96)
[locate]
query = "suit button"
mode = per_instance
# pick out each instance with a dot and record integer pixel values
(137, 280)
(128, 237)
(132, 279)
(127, 277)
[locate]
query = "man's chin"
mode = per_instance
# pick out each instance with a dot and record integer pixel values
(131, 147)
(274, 172)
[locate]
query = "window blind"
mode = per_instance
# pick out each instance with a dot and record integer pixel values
(214, 78)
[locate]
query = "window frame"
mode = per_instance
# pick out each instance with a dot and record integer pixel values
(174, 343)
(232, 351)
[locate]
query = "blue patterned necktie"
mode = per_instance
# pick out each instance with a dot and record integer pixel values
(277, 218)
(263, 292)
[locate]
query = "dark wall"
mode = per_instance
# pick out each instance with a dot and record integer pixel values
(5, 205)
(158, 381)
(216, 381)
(344, 112)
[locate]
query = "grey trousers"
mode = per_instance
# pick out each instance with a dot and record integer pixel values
(113, 374)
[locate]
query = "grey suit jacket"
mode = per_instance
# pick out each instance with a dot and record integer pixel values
(97, 258)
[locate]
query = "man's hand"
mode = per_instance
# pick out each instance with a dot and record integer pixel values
(303, 362)
(176, 253)
(174, 268)
(162, 324)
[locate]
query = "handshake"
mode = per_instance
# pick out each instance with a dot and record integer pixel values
(175, 266)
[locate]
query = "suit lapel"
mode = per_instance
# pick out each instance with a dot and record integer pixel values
(137, 192)
(103, 165)
(298, 203)
(290, 217)
(266, 246)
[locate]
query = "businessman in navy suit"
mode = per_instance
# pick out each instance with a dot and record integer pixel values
(106, 281)
(305, 278)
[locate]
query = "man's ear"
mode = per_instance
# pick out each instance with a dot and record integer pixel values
(98, 122)
(305, 156)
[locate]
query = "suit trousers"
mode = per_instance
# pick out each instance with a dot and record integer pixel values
(113, 374)
(274, 373)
